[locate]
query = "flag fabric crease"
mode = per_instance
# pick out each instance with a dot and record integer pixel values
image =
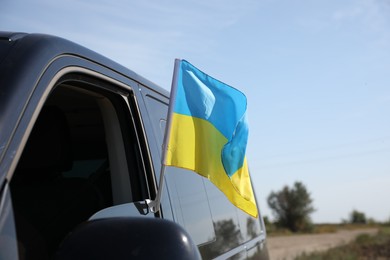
(207, 133)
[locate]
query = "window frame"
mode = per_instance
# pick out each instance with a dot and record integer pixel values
(49, 81)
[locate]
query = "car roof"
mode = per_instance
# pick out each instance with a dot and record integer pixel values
(54, 46)
(23, 60)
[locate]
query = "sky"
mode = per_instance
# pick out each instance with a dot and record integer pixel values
(315, 72)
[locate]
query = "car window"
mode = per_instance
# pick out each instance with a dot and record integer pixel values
(187, 192)
(81, 156)
(215, 224)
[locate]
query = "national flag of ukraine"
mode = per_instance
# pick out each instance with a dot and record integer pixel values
(208, 133)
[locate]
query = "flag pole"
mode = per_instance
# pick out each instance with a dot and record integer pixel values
(154, 205)
(172, 100)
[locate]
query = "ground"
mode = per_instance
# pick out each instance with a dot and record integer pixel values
(288, 247)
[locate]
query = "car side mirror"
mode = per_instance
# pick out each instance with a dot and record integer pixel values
(128, 238)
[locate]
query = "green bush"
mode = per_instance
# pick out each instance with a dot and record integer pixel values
(292, 208)
(357, 217)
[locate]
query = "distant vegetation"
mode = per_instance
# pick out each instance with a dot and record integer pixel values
(292, 208)
(357, 217)
(356, 220)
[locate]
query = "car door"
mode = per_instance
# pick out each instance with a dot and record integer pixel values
(79, 149)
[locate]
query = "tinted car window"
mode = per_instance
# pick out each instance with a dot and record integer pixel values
(216, 225)
(186, 189)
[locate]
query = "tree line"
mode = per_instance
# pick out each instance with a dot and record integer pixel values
(292, 207)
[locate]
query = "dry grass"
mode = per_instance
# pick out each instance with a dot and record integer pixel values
(318, 229)
(363, 247)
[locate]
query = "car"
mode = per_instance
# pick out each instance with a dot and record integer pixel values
(80, 156)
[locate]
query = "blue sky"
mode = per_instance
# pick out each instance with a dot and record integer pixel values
(316, 74)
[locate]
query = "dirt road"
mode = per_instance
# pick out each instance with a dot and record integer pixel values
(288, 247)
